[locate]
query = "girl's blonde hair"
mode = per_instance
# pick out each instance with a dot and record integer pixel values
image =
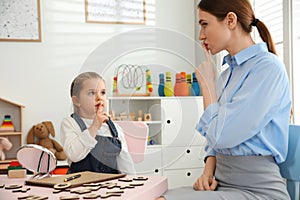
(76, 85)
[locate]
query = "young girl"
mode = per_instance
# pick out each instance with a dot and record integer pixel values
(246, 111)
(89, 138)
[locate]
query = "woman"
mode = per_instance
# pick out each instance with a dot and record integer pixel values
(246, 116)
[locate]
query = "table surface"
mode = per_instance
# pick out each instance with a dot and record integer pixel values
(150, 190)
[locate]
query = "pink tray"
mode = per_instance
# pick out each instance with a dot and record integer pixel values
(152, 188)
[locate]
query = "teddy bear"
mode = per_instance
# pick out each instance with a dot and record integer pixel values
(41, 131)
(5, 144)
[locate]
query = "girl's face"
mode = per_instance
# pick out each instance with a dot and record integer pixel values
(91, 98)
(214, 34)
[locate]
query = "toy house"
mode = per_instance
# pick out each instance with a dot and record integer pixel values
(11, 128)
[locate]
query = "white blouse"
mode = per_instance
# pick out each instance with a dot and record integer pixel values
(77, 144)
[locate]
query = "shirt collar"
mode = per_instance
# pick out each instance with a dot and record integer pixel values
(245, 54)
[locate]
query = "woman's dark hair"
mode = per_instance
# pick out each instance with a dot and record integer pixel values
(245, 16)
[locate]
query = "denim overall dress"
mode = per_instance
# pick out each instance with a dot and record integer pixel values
(103, 157)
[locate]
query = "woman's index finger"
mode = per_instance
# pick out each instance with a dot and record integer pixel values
(206, 53)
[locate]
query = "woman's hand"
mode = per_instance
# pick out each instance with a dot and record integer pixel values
(206, 72)
(205, 182)
(206, 76)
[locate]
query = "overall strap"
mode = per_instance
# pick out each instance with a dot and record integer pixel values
(79, 121)
(112, 128)
(82, 125)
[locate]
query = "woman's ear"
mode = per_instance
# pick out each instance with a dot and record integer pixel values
(231, 20)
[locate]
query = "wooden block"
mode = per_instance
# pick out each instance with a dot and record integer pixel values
(147, 117)
(17, 173)
(14, 186)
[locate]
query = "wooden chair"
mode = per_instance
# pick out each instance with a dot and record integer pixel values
(290, 169)
(136, 135)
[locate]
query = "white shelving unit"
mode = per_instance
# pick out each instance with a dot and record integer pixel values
(178, 149)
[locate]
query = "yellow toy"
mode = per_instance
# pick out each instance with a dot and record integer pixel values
(168, 89)
(149, 86)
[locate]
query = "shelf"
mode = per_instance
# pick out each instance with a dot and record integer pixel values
(149, 123)
(152, 97)
(133, 98)
(7, 161)
(140, 107)
(170, 116)
(146, 122)
(10, 133)
(155, 146)
(152, 122)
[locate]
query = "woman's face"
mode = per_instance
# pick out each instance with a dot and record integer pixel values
(214, 34)
(92, 97)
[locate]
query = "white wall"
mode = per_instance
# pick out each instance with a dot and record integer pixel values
(38, 75)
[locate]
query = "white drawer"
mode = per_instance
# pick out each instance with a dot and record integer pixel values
(183, 157)
(152, 163)
(183, 177)
(179, 119)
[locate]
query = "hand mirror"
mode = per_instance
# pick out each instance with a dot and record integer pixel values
(37, 159)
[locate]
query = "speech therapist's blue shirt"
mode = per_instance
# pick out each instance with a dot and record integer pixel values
(252, 114)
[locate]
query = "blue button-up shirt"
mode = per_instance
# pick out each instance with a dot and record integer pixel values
(252, 114)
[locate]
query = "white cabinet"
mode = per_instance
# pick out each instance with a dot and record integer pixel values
(182, 157)
(178, 149)
(182, 177)
(122, 107)
(179, 119)
(152, 163)
(183, 165)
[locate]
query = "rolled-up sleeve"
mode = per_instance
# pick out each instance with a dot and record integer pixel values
(209, 114)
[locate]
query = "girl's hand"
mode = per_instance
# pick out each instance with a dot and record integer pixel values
(205, 182)
(101, 116)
